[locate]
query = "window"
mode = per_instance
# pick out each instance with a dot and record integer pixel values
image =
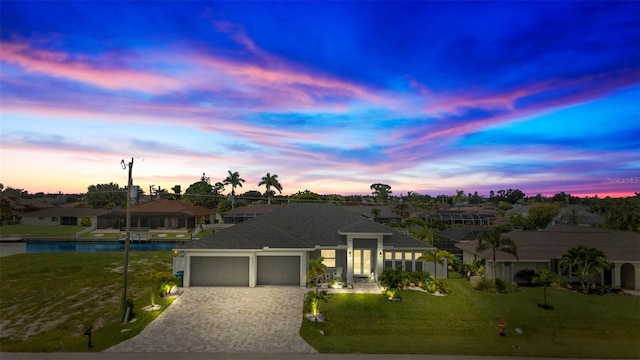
(329, 257)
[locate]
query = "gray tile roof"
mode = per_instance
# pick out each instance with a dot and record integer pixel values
(386, 212)
(301, 225)
(555, 241)
(66, 211)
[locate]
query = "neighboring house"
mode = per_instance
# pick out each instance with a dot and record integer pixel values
(448, 238)
(386, 214)
(13, 208)
(542, 249)
(274, 248)
(159, 214)
(578, 214)
(466, 217)
(62, 216)
(242, 213)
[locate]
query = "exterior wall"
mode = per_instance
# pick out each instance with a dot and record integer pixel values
(54, 220)
(40, 221)
(630, 276)
(409, 261)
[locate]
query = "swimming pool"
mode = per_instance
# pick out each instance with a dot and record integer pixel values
(41, 246)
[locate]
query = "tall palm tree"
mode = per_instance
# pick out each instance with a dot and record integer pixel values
(270, 181)
(234, 180)
(496, 242)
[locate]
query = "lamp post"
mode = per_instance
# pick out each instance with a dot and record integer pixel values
(126, 241)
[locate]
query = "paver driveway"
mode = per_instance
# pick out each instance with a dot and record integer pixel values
(226, 319)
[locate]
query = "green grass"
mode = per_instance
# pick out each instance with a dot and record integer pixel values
(41, 231)
(465, 323)
(48, 300)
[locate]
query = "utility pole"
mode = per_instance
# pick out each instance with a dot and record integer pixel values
(124, 307)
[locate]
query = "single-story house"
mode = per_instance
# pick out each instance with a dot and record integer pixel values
(448, 238)
(159, 214)
(13, 208)
(384, 214)
(542, 249)
(242, 213)
(467, 217)
(62, 216)
(274, 248)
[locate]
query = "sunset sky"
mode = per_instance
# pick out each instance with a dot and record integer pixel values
(429, 97)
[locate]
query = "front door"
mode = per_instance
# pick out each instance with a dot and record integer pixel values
(361, 262)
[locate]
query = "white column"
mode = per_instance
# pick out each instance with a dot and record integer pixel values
(349, 259)
(253, 270)
(379, 257)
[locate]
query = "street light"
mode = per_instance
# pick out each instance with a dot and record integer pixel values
(124, 308)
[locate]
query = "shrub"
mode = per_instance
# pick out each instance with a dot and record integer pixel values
(442, 287)
(525, 276)
(85, 222)
(392, 278)
(485, 285)
(415, 277)
(505, 286)
(311, 301)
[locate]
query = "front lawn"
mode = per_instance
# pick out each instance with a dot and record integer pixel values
(48, 300)
(466, 323)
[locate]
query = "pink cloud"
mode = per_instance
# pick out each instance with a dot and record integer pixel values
(60, 65)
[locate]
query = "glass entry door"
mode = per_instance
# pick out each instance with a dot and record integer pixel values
(361, 262)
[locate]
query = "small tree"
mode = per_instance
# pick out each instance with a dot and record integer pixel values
(316, 271)
(545, 278)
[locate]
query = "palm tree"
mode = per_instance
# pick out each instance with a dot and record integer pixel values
(316, 271)
(426, 234)
(437, 257)
(496, 242)
(585, 262)
(268, 181)
(381, 191)
(234, 180)
(459, 197)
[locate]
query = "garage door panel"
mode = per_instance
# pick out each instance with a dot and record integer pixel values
(278, 270)
(219, 271)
